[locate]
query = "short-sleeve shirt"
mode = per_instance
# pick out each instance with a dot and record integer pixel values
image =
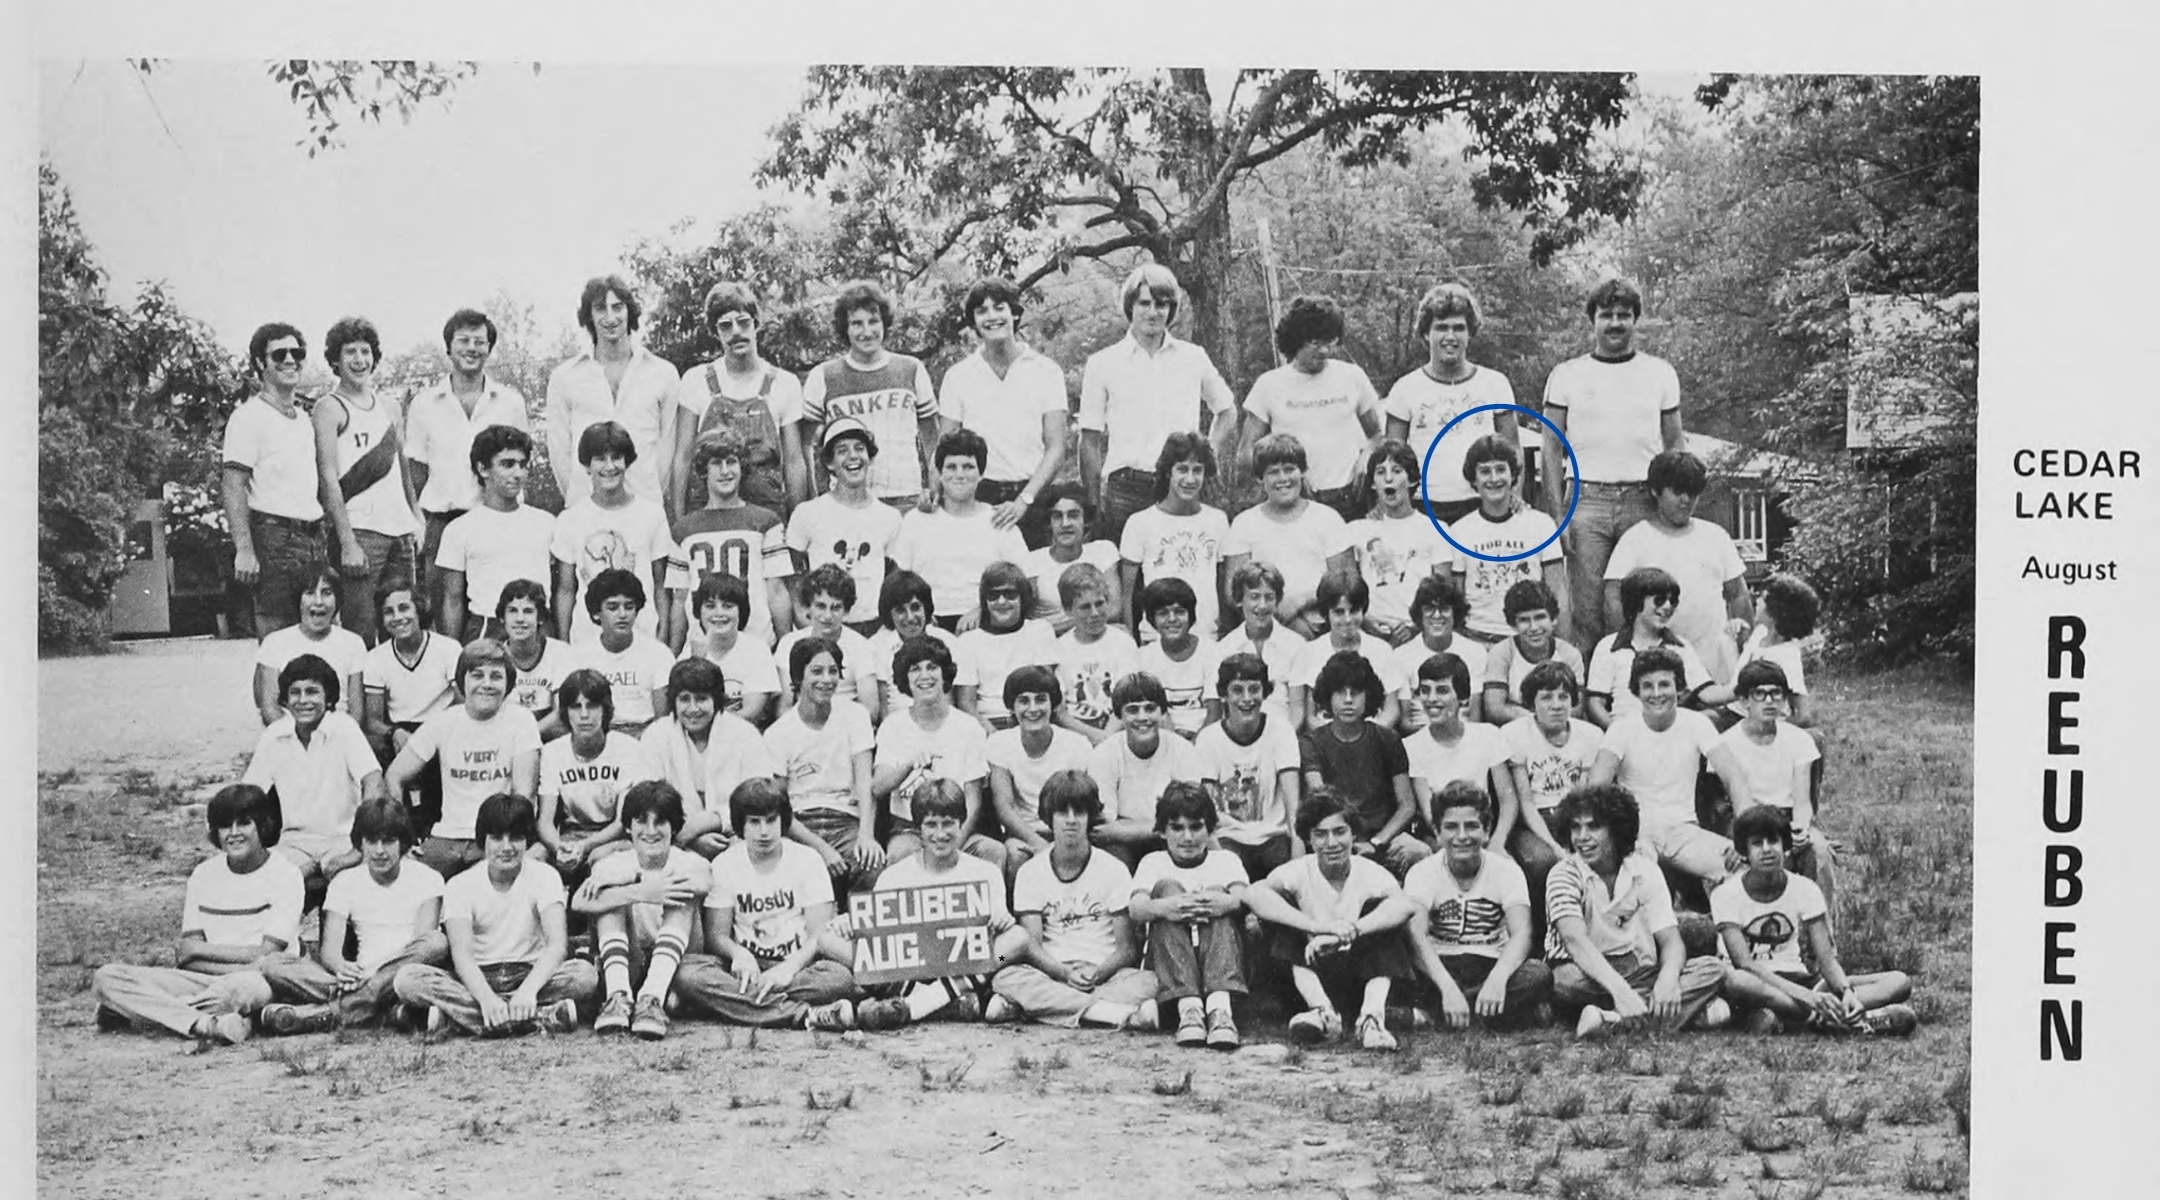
(1363, 771)
(1007, 412)
(889, 399)
(1139, 399)
(1322, 412)
(1217, 871)
(1130, 785)
(383, 917)
(1299, 547)
(278, 453)
(747, 667)
(589, 791)
(1189, 547)
(492, 548)
(771, 902)
(956, 753)
(1787, 655)
(428, 685)
(1394, 556)
(1312, 658)
(340, 647)
(1046, 571)
(855, 538)
(505, 923)
(996, 655)
(736, 752)
(950, 552)
(1661, 766)
(1427, 405)
(476, 758)
(1068, 751)
(1300, 882)
(819, 764)
(1702, 559)
(633, 674)
(1188, 683)
(1279, 650)
(1248, 778)
(1625, 919)
(1612, 661)
(749, 543)
(1408, 657)
(440, 434)
(1772, 929)
(229, 909)
(1613, 412)
(318, 785)
(535, 688)
(1769, 769)
(1505, 664)
(1472, 919)
(1471, 759)
(1087, 671)
(682, 866)
(1485, 583)
(1552, 771)
(1080, 915)
(594, 539)
(858, 663)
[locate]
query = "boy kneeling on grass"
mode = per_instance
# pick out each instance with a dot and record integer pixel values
(1614, 938)
(1764, 915)
(508, 942)
(242, 909)
(643, 905)
(1469, 919)
(1191, 895)
(1337, 924)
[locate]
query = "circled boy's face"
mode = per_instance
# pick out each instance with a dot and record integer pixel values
(1495, 481)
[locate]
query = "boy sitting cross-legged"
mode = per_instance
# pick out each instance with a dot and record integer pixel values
(508, 943)
(644, 905)
(1469, 911)
(1190, 895)
(773, 955)
(1766, 916)
(1083, 965)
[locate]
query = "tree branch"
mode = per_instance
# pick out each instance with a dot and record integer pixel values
(1063, 258)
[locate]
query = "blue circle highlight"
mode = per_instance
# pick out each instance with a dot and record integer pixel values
(1425, 475)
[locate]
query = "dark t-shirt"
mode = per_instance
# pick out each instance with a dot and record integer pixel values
(1363, 771)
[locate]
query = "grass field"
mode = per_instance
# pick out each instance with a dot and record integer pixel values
(946, 1110)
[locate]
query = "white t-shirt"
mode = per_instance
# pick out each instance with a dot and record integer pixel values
(340, 647)
(476, 758)
(1007, 412)
(595, 539)
(770, 900)
(1613, 661)
(1769, 769)
(1485, 583)
(1473, 919)
(1408, 657)
(429, 685)
(1079, 916)
(706, 778)
(242, 910)
(882, 645)
(1279, 650)
(858, 539)
(1046, 571)
(1299, 547)
(996, 655)
(1661, 768)
(1301, 882)
(589, 792)
(279, 454)
(950, 553)
(819, 764)
(1138, 399)
(749, 543)
(1218, 871)
(1188, 548)
(640, 669)
(1087, 672)
(1552, 771)
(1613, 412)
(1130, 786)
(1772, 929)
(1068, 751)
(1702, 558)
(1248, 778)
(1188, 685)
(383, 917)
(318, 785)
(1394, 556)
(492, 548)
(956, 753)
(1506, 665)
(747, 667)
(1322, 412)
(1480, 750)
(1427, 405)
(1787, 655)
(505, 922)
(858, 663)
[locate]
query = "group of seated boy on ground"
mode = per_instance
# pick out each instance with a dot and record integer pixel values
(1477, 827)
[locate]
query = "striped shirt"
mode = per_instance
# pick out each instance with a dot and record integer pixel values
(1624, 920)
(1468, 919)
(242, 910)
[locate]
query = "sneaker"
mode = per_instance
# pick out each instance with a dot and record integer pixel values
(1891, 1020)
(1222, 1031)
(285, 1020)
(614, 1015)
(966, 1006)
(1762, 1021)
(109, 1021)
(837, 1017)
(879, 1015)
(1592, 1022)
(649, 1021)
(1000, 1011)
(1309, 1028)
(1146, 1016)
(1192, 1027)
(1373, 1034)
(562, 1017)
(1715, 1015)
(229, 1028)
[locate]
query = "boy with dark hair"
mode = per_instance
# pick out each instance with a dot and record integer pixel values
(949, 545)
(1789, 611)
(1766, 918)
(613, 529)
(1134, 768)
(1648, 597)
(1470, 922)
(483, 746)
(584, 777)
(643, 906)
(1252, 760)
(1532, 611)
(1326, 403)
(1081, 968)
(1024, 758)
(828, 596)
(1502, 527)
(703, 753)
(729, 536)
(1437, 611)
(499, 539)
(1179, 658)
(926, 742)
(510, 969)
(441, 422)
(1255, 591)
(773, 956)
(905, 606)
(1613, 937)
(317, 763)
(1336, 924)
(747, 399)
(269, 482)
(1190, 897)
(1451, 748)
(1550, 751)
(888, 393)
(746, 667)
(633, 661)
(1342, 598)
(1716, 610)
(823, 747)
(1657, 754)
(242, 908)
(1778, 758)
(1014, 398)
(619, 379)
(846, 527)
(1364, 762)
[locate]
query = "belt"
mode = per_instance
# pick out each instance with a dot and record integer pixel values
(1132, 471)
(1591, 486)
(288, 522)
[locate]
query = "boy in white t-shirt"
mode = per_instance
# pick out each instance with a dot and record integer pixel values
(318, 633)
(703, 752)
(1450, 748)
(643, 906)
(904, 608)
(1180, 659)
(1191, 897)
(1256, 590)
(318, 765)
(635, 664)
(1470, 924)
(500, 539)
(828, 595)
(823, 747)
(1022, 759)
(1550, 751)
(1529, 607)
(509, 952)
(1503, 527)
(1304, 538)
(1648, 598)
(752, 675)
(1772, 924)
(483, 746)
(951, 544)
(612, 530)
(583, 779)
(928, 741)
(1136, 767)
(1437, 610)
(1343, 597)
(1092, 655)
(409, 676)
(1252, 768)
(1779, 761)
(1716, 609)
(1657, 755)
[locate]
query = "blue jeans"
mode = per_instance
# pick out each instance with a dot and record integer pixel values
(1605, 511)
(388, 556)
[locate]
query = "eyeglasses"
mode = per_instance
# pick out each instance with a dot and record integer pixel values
(1005, 594)
(1665, 601)
(1767, 693)
(285, 354)
(731, 324)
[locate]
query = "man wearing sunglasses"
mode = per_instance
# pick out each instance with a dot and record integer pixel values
(272, 505)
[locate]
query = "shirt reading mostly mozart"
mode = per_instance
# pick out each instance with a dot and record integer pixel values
(476, 758)
(749, 543)
(1468, 918)
(385, 918)
(1079, 915)
(889, 399)
(505, 921)
(770, 899)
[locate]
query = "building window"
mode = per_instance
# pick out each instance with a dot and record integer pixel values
(1751, 525)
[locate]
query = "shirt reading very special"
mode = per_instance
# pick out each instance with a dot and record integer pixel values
(476, 759)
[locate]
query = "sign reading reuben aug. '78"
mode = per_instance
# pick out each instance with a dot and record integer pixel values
(926, 932)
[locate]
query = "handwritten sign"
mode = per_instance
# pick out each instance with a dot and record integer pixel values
(929, 932)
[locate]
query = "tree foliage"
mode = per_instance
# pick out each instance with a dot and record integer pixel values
(333, 94)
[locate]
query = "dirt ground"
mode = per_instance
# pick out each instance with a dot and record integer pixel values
(934, 1110)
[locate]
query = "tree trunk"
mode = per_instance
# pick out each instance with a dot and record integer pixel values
(1207, 281)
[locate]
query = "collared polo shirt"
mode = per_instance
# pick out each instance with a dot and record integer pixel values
(578, 399)
(1139, 399)
(438, 433)
(1625, 920)
(318, 784)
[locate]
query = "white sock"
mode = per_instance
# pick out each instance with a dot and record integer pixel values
(660, 971)
(926, 998)
(1376, 994)
(615, 966)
